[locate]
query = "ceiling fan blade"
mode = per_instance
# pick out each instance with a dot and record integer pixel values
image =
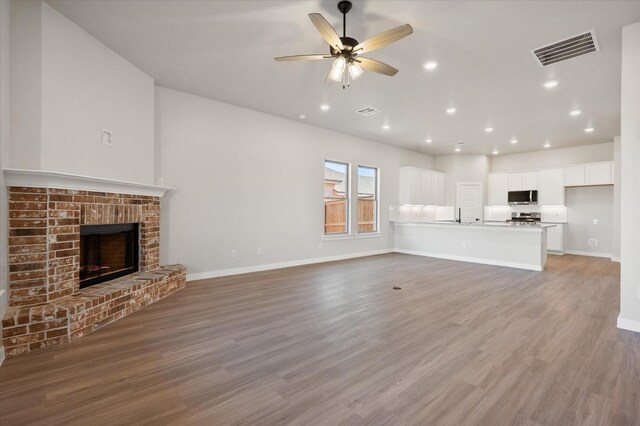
(314, 57)
(382, 39)
(376, 66)
(326, 30)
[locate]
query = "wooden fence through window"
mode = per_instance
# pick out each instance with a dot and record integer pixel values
(335, 216)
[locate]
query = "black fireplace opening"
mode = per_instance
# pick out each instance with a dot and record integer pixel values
(107, 252)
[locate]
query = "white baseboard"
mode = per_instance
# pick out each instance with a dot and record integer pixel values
(280, 265)
(627, 324)
(1, 355)
(615, 259)
(588, 253)
(472, 260)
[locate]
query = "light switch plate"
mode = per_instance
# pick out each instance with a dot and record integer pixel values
(105, 137)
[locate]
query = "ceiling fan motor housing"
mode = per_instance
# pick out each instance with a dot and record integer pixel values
(348, 43)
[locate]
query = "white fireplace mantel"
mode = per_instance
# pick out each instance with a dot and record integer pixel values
(44, 179)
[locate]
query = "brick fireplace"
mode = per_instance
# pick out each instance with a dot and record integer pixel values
(46, 304)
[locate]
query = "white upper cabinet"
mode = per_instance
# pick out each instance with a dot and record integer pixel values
(599, 173)
(410, 185)
(440, 198)
(523, 181)
(574, 176)
(425, 188)
(498, 186)
(516, 182)
(551, 187)
(421, 187)
(589, 174)
(530, 181)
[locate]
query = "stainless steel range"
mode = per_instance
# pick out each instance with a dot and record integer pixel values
(524, 219)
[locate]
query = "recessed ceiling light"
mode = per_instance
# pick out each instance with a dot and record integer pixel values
(324, 107)
(430, 65)
(547, 145)
(451, 110)
(458, 149)
(495, 152)
(302, 116)
(428, 140)
(514, 141)
(589, 129)
(386, 127)
(551, 84)
(488, 129)
(575, 113)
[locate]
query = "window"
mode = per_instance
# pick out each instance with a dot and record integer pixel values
(336, 197)
(367, 199)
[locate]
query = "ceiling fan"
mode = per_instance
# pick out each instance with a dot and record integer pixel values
(346, 51)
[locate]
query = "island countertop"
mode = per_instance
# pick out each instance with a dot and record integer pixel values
(496, 225)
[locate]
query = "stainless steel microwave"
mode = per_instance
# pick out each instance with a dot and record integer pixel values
(523, 197)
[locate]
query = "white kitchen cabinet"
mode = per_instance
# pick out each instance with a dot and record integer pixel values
(409, 185)
(421, 187)
(574, 176)
(589, 174)
(599, 173)
(498, 188)
(516, 181)
(555, 239)
(442, 180)
(551, 187)
(530, 181)
(425, 188)
(434, 188)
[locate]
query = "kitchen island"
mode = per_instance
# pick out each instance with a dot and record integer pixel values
(523, 247)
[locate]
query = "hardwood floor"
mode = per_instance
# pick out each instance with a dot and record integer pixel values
(334, 344)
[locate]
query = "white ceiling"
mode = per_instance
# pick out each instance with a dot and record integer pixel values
(224, 50)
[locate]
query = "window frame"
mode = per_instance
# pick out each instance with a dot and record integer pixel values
(347, 199)
(376, 211)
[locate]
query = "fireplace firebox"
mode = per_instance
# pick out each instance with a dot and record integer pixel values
(107, 252)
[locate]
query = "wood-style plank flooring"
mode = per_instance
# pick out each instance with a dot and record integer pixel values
(333, 343)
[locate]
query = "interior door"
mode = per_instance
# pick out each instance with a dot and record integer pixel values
(469, 202)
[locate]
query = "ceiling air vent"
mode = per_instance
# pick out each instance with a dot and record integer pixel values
(367, 111)
(562, 50)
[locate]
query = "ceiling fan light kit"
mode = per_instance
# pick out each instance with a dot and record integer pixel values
(345, 51)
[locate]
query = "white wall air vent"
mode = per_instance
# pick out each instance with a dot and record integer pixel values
(562, 50)
(367, 111)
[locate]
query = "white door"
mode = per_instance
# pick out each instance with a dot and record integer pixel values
(469, 202)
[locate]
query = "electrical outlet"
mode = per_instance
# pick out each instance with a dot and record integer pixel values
(595, 221)
(234, 253)
(160, 181)
(105, 137)
(259, 251)
(593, 242)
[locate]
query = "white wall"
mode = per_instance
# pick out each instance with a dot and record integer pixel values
(630, 195)
(552, 158)
(72, 87)
(247, 180)
(617, 178)
(584, 205)
(5, 123)
(25, 67)
(463, 168)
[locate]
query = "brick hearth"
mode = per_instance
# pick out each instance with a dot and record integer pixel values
(47, 306)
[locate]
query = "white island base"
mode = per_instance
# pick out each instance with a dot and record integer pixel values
(513, 246)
